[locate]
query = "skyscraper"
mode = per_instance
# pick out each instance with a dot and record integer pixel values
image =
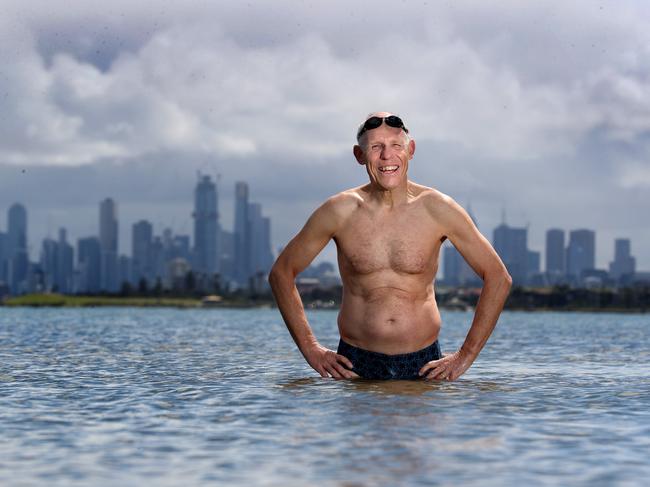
(242, 234)
(206, 227)
(581, 252)
(65, 263)
(141, 235)
(261, 258)
(16, 252)
(623, 264)
(512, 246)
(108, 229)
(3, 257)
(124, 270)
(89, 264)
(158, 258)
(227, 257)
(57, 264)
(181, 246)
(555, 263)
(49, 264)
(533, 266)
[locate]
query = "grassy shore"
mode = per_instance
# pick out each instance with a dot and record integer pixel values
(61, 300)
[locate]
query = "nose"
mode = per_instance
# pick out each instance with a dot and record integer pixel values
(385, 153)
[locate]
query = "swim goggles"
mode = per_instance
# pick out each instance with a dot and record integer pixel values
(374, 122)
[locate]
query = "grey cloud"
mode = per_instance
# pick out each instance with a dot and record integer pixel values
(542, 107)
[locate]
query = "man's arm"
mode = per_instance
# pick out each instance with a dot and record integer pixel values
(480, 255)
(296, 256)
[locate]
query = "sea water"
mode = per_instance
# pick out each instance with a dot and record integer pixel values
(125, 396)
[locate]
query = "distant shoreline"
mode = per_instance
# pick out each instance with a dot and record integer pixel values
(69, 301)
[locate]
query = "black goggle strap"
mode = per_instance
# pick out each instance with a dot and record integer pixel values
(374, 122)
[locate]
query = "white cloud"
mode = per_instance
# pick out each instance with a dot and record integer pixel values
(635, 174)
(191, 86)
(515, 91)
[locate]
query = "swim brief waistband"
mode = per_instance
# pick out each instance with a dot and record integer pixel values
(375, 365)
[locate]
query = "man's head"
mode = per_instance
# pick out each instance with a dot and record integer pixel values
(384, 147)
(374, 120)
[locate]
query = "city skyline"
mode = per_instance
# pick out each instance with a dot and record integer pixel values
(602, 256)
(239, 258)
(239, 254)
(542, 111)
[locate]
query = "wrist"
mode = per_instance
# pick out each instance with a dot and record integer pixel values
(310, 348)
(468, 353)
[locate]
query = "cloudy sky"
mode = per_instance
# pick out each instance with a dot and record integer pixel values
(541, 109)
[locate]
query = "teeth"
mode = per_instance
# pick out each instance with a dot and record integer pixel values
(388, 168)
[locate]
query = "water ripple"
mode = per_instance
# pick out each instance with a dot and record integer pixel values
(131, 396)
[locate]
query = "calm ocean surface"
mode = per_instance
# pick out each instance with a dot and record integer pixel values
(222, 397)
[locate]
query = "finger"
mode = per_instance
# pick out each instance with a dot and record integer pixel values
(425, 368)
(345, 361)
(342, 370)
(435, 377)
(446, 376)
(431, 364)
(437, 373)
(332, 371)
(431, 367)
(442, 374)
(323, 373)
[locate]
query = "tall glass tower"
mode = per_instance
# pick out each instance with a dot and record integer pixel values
(142, 236)
(108, 244)
(581, 252)
(242, 234)
(555, 258)
(206, 227)
(512, 246)
(16, 247)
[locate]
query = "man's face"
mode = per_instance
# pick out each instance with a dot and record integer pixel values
(386, 155)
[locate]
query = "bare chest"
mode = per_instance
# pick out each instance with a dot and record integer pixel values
(406, 243)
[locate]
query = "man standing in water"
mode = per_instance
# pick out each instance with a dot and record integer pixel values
(388, 235)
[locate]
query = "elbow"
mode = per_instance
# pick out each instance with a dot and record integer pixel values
(506, 281)
(277, 275)
(507, 278)
(273, 276)
(500, 277)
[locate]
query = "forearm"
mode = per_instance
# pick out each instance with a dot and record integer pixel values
(292, 310)
(490, 304)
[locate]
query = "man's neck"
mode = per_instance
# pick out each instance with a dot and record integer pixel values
(388, 199)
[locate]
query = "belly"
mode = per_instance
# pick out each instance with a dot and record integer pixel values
(389, 320)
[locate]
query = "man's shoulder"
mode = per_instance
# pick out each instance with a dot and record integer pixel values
(441, 207)
(444, 209)
(433, 199)
(336, 210)
(344, 202)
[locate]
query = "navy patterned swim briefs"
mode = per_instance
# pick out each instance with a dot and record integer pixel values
(375, 365)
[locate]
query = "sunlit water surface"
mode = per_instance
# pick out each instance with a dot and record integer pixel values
(223, 397)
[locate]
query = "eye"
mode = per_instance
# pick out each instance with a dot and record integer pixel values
(376, 147)
(397, 146)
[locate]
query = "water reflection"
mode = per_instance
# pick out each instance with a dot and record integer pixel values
(401, 387)
(174, 398)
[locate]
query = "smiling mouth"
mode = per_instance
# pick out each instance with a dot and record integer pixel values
(388, 169)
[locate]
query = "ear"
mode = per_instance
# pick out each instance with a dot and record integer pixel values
(358, 154)
(411, 149)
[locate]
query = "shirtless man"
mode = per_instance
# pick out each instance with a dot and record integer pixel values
(388, 235)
